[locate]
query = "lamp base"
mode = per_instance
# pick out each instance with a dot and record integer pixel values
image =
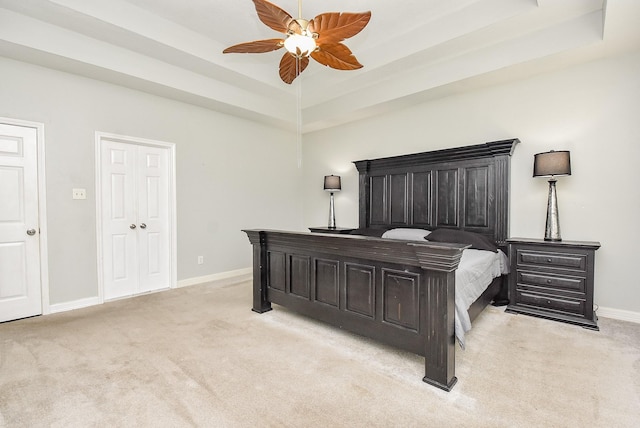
(332, 214)
(552, 228)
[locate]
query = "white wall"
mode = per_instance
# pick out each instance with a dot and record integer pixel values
(593, 110)
(225, 170)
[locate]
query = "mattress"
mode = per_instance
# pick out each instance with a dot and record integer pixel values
(476, 271)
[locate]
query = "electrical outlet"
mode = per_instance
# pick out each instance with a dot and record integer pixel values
(200, 260)
(79, 193)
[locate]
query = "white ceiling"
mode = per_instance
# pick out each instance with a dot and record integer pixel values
(412, 50)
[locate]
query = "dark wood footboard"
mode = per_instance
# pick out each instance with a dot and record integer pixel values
(399, 293)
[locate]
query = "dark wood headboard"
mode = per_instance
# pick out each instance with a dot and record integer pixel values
(463, 188)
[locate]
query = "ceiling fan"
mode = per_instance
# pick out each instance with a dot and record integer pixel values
(319, 38)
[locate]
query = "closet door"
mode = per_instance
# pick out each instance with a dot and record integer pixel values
(135, 219)
(153, 216)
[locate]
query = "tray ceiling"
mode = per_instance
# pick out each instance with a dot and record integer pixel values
(412, 51)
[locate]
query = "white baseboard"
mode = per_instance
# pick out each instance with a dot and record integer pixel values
(75, 304)
(619, 314)
(223, 278)
(219, 279)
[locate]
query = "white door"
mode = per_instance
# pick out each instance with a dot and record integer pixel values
(135, 218)
(20, 288)
(153, 215)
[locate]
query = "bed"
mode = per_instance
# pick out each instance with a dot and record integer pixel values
(401, 292)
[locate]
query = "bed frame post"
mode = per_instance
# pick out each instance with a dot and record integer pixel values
(439, 265)
(259, 241)
(440, 350)
(364, 192)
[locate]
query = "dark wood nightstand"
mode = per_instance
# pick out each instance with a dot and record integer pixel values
(337, 230)
(553, 279)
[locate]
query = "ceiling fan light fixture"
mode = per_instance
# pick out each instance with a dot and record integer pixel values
(300, 45)
(320, 38)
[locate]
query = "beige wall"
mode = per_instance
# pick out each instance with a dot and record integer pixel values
(593, 110)
(225, 170)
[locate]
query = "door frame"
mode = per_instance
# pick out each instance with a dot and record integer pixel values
(42, 205)
(171, 148)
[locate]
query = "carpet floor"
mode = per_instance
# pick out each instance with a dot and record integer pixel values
(198, 356)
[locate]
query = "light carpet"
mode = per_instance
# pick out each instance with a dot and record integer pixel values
(198, 356)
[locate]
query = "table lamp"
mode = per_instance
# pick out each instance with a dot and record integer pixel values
(551, 164)
(332, 184)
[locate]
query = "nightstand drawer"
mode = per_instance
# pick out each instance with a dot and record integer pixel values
(541, 280)
(554, 303)
(556, 260)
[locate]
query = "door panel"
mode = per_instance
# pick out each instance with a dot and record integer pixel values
(118, 197)
(20, 287)
(119, 257)
(13, 273)
(12, 208)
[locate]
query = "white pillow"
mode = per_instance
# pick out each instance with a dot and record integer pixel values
(406, 234)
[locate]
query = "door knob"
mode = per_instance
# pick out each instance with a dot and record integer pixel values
(132, 226)
(31, 232)
(143, 226)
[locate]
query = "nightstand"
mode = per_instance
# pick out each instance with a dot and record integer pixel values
(337, 230)
(553, 279)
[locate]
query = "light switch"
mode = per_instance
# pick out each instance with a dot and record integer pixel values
(79, 193)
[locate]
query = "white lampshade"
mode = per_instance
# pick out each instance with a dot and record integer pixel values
(300, 45)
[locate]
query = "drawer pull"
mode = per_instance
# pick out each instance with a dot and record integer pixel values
(548, 260)
(548, 281)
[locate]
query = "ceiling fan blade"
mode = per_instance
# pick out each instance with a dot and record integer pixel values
(336, 55)
(334, 27)
(272, 16)
(259, 46)
(291, 67)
